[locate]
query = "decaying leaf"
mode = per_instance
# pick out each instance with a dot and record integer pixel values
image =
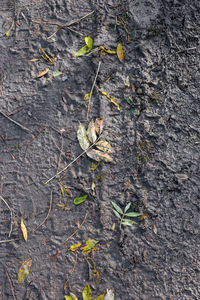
(112, 99)
(87, 293)
(87, 96)
(46, 56)
(57, 73)
(104, 146)
(82, 137)
(24, 230)
(94, 166)
(34, 59)
(24, 270)
(106, 51)
(91, 132)
(71, 297)
(87, 48)
(63, 206)
(75, 247)
(99, 156)
(90, 245)
(80, 200)
(41, 74)
(109, 295)
(120, 52)
(99, 126)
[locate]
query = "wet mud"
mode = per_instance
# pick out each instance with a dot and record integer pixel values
(155, 138)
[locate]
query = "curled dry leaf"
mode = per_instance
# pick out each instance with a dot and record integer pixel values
(99, 126)
(91, 132)
(41, 74)
(120, 52)
(104, 146)
(99, 156)
(106, 51)
(82, 137)
(24, 230)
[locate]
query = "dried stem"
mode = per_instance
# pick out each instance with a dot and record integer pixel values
(11, 214)
(90, 98)
(7, 148)
(8, 241)
(77, 228)
(76, 259)
(15, 122)
(50, 206)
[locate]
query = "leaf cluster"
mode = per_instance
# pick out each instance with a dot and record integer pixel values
(122, 215)
(87, 295)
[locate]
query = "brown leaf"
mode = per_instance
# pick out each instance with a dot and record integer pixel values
(104, 146)
(98, 155)
(155, 230)
(34, 59)
(99, 126)
(120, 52)
(91, 132)
(44, 72)
(24, 230)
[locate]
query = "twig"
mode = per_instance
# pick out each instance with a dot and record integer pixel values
(76, 259)
(46, 182)
(50, 206)
(8, 241)
(10, 280)
(15, 122)
(11, 214)
(90, 98)
(54, 33)
(35, 136)
(77, 229)
(13, 20)
(7, 148)
(61, 25)
(61, 151)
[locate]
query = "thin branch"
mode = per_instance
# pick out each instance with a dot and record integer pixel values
(50, 206)
(8, 241)
(11, 214)
(46, 182)
(61, 150)
(15, 122)
(76, 259)
(10, 281)
(90, 98)
(75, 232)
(7, 148)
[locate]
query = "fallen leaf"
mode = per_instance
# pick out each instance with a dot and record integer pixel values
(87, 293)
(34, 59)
(109, 295)
(82, 137)
(89, 42)
(107, 51)
(8, 33)
(79, 200)
(75, 247)
(113, 227)
(24, 270)
(87, 48)
(46, 56)
(101, 297)
(41, 74)
(99, 126)
(120, 52)
(104, 146)
(87, 96)
(143, 217)
(94, 166)
(99, 156)
(90, 245)
(112, 99)
(155, 230)
(91, 132)
(24, 230)
(71, 297)
(57, 73)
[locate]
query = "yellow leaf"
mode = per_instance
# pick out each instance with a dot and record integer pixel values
(101, 297)
(89, 42)
(87, 293)
(71, 297)
(24, 230)
(104, 146)
(87, 96)
(87, 48)
(75, 247)
(105, 50)
(8, 33)
(99, 156)
(90, 245)
(45, 56)
(24, 270)
(120, 52)
(44, 72)
(91, 132)
(112, 99)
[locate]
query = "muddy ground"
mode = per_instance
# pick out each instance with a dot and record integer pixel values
(155, 139)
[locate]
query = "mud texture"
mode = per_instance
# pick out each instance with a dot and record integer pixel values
(155, 139)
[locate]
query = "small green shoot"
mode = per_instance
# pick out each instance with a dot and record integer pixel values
(120, 214)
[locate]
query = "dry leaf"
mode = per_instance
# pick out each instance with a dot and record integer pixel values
(105, 50)
(120, 52)
(112, 99)
(99, 156)
(24, 230)
(34, 59)
(104, 146)
(82, 137)
(24, 270)
(91, 132)
(155, 230)
(99, 126)
(44, 72)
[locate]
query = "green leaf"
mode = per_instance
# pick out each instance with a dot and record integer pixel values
(127, 207)
(128, 222)
(87, 293)
(57, 73)
(87, 48)
(117, 214)
(82, 137)
(117, 208)
(79, 200)
(90, 245)
(133, 214)
(89, 42)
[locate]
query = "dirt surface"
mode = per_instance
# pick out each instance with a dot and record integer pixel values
(155, 139)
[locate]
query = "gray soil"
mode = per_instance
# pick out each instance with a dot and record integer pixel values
(155, 138)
